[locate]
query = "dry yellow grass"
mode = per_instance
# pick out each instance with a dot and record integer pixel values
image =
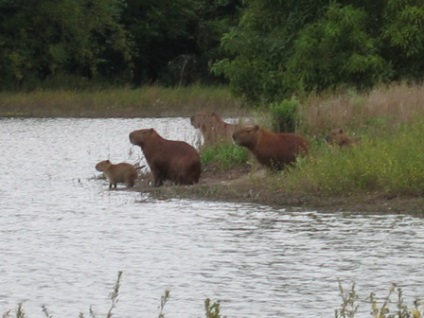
(384, 106)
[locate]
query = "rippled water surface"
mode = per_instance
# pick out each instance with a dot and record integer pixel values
(64, 236)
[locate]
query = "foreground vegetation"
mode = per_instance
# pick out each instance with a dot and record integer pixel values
(386, 307)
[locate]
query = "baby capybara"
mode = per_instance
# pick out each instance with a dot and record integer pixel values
(118, 173)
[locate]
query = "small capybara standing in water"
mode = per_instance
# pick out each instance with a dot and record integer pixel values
(172, 160)
(273, 150)
(338, 137)
(118, 173)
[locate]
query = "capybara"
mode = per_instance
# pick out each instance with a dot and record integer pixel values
(338, 137)
(273, 150)
(212, 127)
(172, 160)
(118, 173)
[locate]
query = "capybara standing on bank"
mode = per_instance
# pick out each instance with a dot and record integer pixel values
(212, 127)
(172, 160)
(338, 137)
(274, 150)
(118, 173)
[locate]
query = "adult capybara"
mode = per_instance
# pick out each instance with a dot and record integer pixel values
(338, 137)
(172, 160)
(212, 127)
(118, 173)
(273, 150)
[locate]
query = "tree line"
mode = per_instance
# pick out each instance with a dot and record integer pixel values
(265, 50)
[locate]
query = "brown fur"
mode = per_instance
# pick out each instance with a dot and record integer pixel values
(168, 159)
(118, 173)
(273, 150)
(338, 137)
(212, 127)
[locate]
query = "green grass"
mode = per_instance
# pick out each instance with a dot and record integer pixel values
(224, 156)
(147, 101)
(392, 163)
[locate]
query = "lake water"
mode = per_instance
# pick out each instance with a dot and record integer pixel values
(64, 236)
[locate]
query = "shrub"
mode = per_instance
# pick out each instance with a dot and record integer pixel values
(223, 155)
(284, 115)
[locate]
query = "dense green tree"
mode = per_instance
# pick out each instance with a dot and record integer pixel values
(176, 40)
(132, 41)
(402, 38)
(283, 47)
(334, 51)
(44, 38)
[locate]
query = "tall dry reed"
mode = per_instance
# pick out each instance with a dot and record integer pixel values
(383, 107)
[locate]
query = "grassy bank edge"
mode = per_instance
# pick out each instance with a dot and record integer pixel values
(148, 101)
(375, 115)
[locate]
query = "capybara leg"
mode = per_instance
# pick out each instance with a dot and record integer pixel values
(130, 183)
(157, 179)
(112, 185)
(158, 182)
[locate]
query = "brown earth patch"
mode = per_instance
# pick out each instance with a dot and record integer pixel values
(242, 185)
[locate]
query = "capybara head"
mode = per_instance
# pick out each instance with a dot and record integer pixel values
(246, 136)
(103, 165)
(141, 136)
(204, 118)
(338, 137)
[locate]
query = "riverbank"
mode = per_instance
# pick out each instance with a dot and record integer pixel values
(371, 178)
(149, 101)
(239, 185)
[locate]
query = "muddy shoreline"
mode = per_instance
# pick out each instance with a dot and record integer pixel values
(239, 186)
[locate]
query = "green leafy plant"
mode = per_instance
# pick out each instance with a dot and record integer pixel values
(223, 156)
(284, 115)
(350, 298)
(213, 309)
(349, 306)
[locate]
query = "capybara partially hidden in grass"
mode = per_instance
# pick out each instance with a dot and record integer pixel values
(118, 173)
(212, 127)
(273, 150)
(172, 160)
(338, 137)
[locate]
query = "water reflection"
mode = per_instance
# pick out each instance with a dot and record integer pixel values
(65, 236)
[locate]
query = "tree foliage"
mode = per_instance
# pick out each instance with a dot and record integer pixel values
(281, 48)
(266, 50)
(120, 41)
(43, 38)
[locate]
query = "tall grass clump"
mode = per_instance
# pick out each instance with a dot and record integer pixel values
(378, 110)
(393, 163)
(223, 156)
(386, 307)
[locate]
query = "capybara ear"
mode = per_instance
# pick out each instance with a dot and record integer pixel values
(107, 161)
(256, 127)
(341, 131)
(151, 130)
